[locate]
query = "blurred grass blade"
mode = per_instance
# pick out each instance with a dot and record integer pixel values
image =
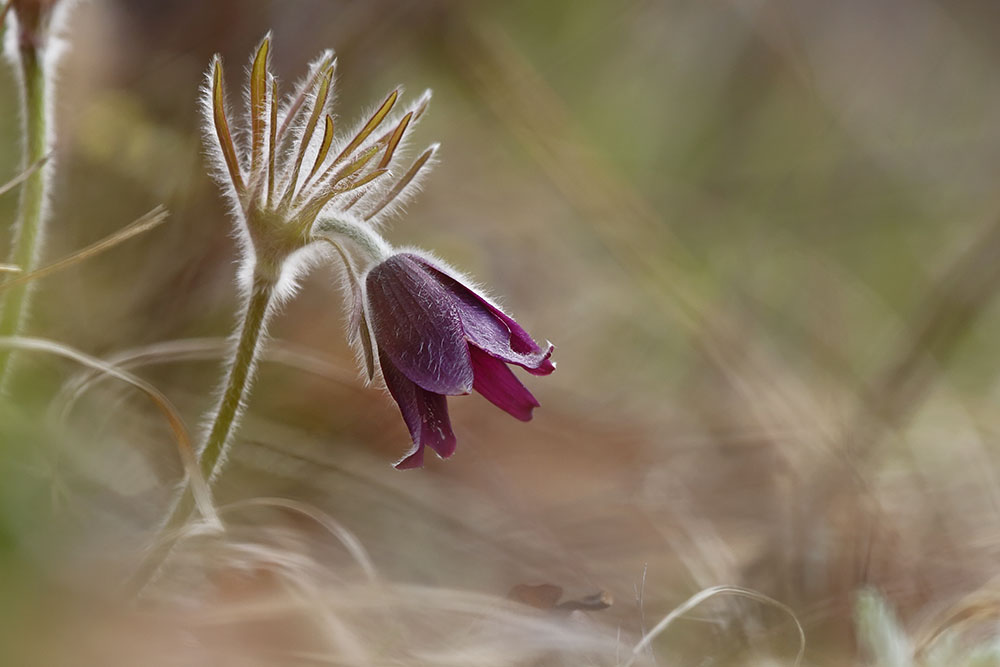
(9, 268)
(880, 632)
(200, 349)
(327, 522)
(707, 594)
(23, 176)
(147, 222)
(185, 449)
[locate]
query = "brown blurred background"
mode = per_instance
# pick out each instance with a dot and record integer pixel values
(761, 235)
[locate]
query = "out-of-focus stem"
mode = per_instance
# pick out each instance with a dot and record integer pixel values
(28, 233)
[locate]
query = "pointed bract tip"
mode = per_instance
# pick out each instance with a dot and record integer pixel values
(422, 102)
(216, 71)
(413, 459)
(259, 68)
(390, 100)
(265, 44)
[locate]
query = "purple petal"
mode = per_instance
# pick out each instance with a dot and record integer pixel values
(416, 323)
(490, 329)
(413, 459)
(500, 387)
(425, 414)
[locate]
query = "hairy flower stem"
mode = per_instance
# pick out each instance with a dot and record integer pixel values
(241, 370)
(224, 421)
(29, 230)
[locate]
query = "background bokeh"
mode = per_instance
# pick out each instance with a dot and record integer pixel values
(761, 234)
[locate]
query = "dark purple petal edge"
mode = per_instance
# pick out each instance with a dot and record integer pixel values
(425, 414)
(489, 328)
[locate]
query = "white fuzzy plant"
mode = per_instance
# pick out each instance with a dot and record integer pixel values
(299, 193)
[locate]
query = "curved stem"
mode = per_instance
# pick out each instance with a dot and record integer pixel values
(367, 239)
(241, 371)
(29, 230)
(224, 421)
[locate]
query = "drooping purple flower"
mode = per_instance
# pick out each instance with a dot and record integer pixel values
(438, 337)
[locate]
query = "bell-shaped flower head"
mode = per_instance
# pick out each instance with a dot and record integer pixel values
(436, 336)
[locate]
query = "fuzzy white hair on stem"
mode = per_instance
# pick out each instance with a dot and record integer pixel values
(290, 180)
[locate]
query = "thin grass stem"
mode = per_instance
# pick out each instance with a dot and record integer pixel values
(201, 496)
(707, 594)
(22, 177)
(151, 220)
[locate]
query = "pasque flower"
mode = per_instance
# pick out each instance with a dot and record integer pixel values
(296, 188)
(436, 336)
